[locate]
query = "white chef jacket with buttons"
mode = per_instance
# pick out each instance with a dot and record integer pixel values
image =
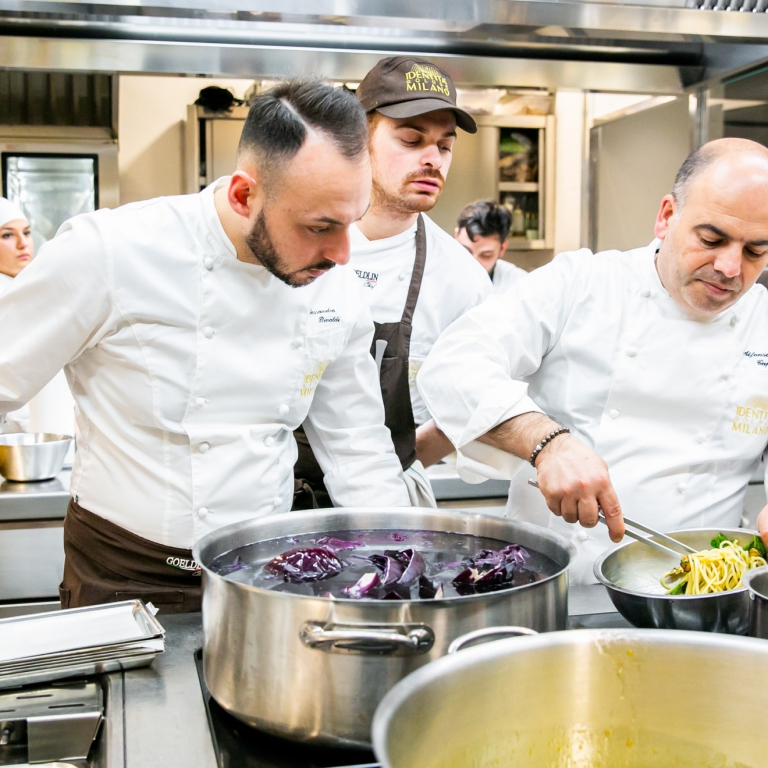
(677, 408)
(191, 369)
(505, 275)
(453, 283)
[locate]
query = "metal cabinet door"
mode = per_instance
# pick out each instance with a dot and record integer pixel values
(31, 559)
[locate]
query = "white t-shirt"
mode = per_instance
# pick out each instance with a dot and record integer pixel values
(505, 275)
(452, 284)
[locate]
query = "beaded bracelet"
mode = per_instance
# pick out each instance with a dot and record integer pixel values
(551, 436)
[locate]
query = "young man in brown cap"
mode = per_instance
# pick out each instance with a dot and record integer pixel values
(417, 278)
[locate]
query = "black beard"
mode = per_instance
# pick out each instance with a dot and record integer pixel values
(262, 248)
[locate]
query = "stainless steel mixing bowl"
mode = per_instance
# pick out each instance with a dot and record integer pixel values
(631, 575)
(27, 457)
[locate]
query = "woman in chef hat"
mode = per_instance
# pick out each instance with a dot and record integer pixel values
(16, 251)
(16, 246)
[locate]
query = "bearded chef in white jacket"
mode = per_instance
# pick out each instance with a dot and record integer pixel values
(634, 380)
(197, 333)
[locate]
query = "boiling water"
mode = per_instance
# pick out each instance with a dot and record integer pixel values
(444, 554)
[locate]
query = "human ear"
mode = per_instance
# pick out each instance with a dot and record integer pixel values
(667, 210)
(242, 193)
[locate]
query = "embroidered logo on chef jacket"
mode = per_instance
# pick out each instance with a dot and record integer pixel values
(761, 358)
(370, 279)
(423, 77)
(752, 418)
(311, 380)
(320, 319)
(184, 565)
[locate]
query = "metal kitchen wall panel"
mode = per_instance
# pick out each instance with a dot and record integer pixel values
(633, 163)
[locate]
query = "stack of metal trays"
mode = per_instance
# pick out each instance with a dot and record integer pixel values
(81, 641)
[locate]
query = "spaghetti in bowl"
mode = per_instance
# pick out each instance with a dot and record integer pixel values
(632, 573)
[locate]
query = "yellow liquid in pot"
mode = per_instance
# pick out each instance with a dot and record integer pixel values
(581, 747)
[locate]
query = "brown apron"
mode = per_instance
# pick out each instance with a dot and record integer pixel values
(104, 563)
(310, 490)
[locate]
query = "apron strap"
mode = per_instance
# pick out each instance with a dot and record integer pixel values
(418, 272)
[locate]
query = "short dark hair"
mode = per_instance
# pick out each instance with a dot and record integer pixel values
(485, 218)
(277, 122)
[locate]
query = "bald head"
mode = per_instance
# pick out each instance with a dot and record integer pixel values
(733, 155)
(714, 226)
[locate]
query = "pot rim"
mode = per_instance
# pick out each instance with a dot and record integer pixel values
(424, 676)
(597, 569)
(397, 512)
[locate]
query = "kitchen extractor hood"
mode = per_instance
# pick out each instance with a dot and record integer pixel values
(539, 43)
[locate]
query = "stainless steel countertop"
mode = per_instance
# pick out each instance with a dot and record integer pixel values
(162, 708)
(34, 501)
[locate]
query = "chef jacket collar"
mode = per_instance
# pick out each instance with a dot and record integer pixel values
(361, 244)
(224, 245)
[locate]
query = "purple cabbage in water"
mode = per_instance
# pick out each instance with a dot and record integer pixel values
(402, 568)
(337, 545)
(391, 568)
(363, 586)
(236, 565)
(489, 570)
(306, 564)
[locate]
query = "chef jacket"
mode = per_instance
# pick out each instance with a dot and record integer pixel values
(191, 369)
(453, 282)
(17, 421)
(505, 275)
(678, 408)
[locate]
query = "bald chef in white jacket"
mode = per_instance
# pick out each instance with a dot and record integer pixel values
(655, 360)
(197, 333)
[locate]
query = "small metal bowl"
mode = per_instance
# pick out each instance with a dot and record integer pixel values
(631, 573)
(28, 457)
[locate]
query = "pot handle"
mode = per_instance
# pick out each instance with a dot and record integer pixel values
(394, 640)
(478, 634)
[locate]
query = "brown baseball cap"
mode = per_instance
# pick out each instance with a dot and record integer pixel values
(403, 86)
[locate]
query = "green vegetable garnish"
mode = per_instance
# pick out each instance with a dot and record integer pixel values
(756, 543)
(679, 589)
(718, 540)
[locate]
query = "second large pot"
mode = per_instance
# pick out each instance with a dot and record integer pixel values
(314, 669)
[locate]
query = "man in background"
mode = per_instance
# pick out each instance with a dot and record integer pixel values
(483, 229)
(416, 277)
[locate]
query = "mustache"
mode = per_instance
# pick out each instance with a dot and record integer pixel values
(325, 265)
(427, 173)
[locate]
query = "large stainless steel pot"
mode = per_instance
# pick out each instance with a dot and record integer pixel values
(314, 669)
(639, 698)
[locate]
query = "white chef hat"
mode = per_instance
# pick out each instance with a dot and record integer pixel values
(10, 212)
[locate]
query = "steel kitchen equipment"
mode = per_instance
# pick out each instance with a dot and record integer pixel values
(81, 641)
(621, 697)
(756, 581)
(32, 456)
(631, 573)
(50, 723)
(314, 669)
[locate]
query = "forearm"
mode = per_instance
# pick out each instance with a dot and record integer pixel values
(520, 435)
(431, 444)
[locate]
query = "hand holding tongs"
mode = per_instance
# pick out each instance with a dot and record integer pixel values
(646, 529)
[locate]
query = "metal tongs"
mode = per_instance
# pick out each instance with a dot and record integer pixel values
(639, 537)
